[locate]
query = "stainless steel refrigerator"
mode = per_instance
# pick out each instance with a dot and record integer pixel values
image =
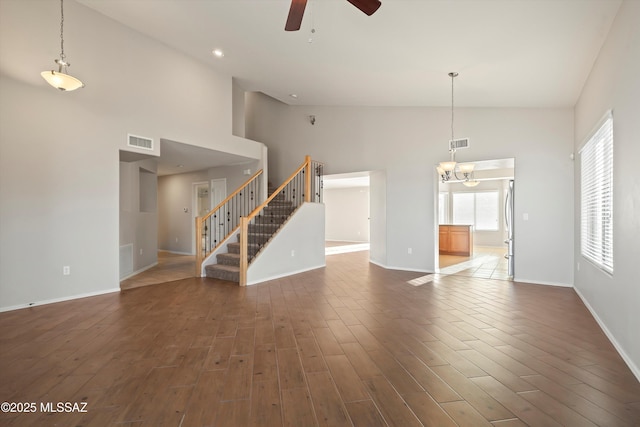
(508, 218)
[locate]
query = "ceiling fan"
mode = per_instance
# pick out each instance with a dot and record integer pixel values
(297, 11)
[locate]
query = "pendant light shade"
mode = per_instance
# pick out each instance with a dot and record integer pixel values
(61, 79)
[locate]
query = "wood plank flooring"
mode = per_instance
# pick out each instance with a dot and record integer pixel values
(349, 345)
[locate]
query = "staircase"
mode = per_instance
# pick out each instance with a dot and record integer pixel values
(260, 232)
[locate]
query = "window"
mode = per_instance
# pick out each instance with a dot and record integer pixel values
(596, 211)
(487, 211)
(478, 209)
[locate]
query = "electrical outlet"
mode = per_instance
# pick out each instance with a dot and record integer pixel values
(293, 252)
(140, 251)
(525, 217)
(578, 266)
(176, 240)
(409, 251)
(66, 270)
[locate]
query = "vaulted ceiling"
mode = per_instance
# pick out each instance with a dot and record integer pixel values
(509, 53)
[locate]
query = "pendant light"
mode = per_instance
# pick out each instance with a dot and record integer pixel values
(61, 79)
(449, 169)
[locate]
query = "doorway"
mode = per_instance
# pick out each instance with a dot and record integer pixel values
(201, 205)
(346, 200)
(218, 191)
(483, 209)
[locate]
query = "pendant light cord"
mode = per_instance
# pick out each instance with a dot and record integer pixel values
(62, 55)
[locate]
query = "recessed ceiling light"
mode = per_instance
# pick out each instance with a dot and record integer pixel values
(218, 53)
(179, 166)
(293, 95)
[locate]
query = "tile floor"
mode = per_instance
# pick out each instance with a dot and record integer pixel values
(170, 267)
(486, 263)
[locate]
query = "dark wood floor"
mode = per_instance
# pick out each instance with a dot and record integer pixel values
(352, 344)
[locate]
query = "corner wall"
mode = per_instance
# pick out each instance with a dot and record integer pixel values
(614, 83)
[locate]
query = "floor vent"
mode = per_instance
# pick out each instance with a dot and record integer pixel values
(126, 260)
(456, 144)
(140, 142)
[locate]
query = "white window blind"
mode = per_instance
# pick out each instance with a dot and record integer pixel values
(597, 197)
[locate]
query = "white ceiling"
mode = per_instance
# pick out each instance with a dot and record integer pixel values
(509, 53)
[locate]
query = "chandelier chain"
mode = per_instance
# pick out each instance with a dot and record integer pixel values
(62, 55)
(452, 77)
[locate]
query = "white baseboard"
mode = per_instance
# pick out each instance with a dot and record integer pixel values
(632, 366)
(139, 271)
(539, 282)
(175, 252)
(285, 275)
(391, 267)
(54, 300)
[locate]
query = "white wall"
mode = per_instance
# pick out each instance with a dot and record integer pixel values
(137, 226)
(378, 217)
(408, 142)
(614, 83)
(297, 247)
(347, 214)
(175, 192)
(175, 226)
(59, 152)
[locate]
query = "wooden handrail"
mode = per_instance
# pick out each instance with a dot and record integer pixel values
(244, 221)
(257, 210)
(239, 189)
(200, 221)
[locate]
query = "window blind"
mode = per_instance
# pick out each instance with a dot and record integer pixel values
(597, 197)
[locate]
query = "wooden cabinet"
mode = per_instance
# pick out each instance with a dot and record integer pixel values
(456, 240)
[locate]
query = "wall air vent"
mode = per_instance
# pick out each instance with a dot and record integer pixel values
(456, 144)
(140, 142)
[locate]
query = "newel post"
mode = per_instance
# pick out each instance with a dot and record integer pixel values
(198, 247)
(307, 179)
(244, 250)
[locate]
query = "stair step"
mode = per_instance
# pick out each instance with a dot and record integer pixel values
(277, 211)
(257, 237)
(234, 248)
(270, 219)
(223, 272)
(264, 227)
(280, 202)
(228, 259)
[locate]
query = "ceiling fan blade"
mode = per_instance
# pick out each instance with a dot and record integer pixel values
(295, 15)
(367, 6)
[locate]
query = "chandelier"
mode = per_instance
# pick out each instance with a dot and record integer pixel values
(61, 79)
(451, 170)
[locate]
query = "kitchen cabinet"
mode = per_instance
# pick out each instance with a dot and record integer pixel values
(456, 240)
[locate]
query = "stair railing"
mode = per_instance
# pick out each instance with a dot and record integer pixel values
(223, 220)
(303, 185)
